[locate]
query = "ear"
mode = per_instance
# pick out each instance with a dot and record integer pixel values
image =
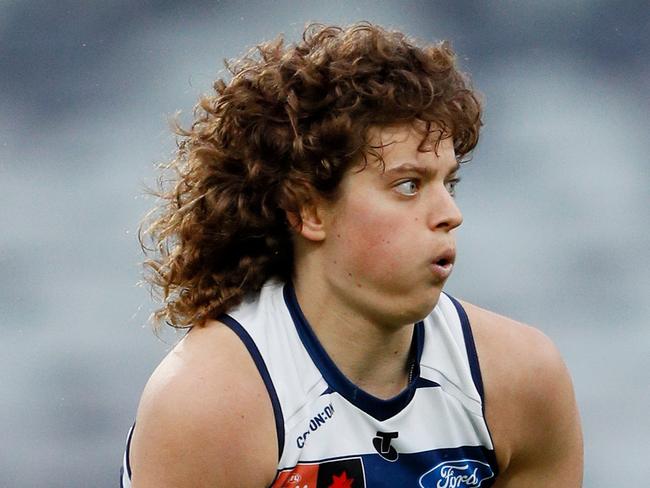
(310, 223)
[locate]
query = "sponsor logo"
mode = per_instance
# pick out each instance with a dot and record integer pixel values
(314, 424)
(294, 478)
(341, 473)
(383, 447)
(464, 473)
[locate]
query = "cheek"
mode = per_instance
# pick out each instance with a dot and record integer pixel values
(374, 240)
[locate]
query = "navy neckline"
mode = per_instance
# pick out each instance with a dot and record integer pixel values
(337, 381)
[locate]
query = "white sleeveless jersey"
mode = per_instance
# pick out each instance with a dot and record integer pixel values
(332, 434)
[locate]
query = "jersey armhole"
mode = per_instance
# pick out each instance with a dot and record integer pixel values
(125, 469)
(248, 341)
(475, 369)
(470, 346)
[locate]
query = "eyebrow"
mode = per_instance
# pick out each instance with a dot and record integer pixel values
(424, 171)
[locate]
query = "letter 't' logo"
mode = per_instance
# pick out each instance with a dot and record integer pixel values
(383, 447)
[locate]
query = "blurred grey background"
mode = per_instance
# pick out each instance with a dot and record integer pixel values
(555, 201)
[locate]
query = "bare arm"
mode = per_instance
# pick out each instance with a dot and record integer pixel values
(530, 405)
(205, 418)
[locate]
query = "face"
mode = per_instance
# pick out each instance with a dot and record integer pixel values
(389, 243)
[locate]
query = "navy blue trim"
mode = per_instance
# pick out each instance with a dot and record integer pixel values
(474, 366)
(373, 406)
(264, 373)
(128, 451)
(425, 383)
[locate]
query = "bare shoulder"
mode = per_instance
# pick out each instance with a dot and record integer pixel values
(529, 402)
(521, 351)
(205, 417)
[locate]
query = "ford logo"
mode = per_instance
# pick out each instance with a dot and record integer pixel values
(465, 473)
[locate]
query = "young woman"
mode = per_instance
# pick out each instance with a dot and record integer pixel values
(305, 246)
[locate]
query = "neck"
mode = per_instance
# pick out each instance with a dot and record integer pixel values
(373, 356)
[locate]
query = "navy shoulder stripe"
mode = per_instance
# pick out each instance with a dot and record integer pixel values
(238, 329)
(475, 368)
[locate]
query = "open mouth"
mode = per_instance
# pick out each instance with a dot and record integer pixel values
(441, 267)
(446, 258)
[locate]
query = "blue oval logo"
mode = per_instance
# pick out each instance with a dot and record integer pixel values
(464, 473)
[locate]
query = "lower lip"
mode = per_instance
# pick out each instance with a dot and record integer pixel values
(441, 272)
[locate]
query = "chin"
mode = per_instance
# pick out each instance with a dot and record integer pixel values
(433, 299)
(418, 309)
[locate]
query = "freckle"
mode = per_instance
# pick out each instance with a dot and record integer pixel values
(350, 275)
(358, 285)
(334, 261)
(338, 235)
(416, 219)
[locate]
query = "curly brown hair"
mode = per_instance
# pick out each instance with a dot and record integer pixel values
(289, 123)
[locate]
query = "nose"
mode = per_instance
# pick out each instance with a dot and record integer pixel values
(444, 213)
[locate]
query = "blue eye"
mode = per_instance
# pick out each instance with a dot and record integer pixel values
(451, 186)
(408, 188)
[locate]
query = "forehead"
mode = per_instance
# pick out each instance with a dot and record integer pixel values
(413, 143)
